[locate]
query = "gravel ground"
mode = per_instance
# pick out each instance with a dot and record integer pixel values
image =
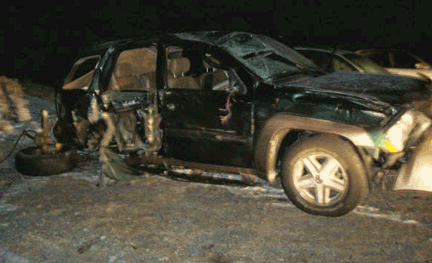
(175, 217)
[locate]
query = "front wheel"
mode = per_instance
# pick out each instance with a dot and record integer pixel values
(323, 175)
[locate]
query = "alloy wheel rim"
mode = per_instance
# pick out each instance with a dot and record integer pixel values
(320, 179)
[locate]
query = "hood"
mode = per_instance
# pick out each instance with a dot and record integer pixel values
(386, 88)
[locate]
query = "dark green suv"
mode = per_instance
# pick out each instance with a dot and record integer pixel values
(237, 102)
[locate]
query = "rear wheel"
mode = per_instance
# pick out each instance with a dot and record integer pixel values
(323, 175)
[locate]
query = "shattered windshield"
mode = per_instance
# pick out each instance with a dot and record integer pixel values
(366, 64)
(265, 56)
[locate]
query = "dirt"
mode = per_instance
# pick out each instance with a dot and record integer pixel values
(155, 218)
(162, 216)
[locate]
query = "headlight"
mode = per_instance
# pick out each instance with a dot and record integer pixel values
(399, 131)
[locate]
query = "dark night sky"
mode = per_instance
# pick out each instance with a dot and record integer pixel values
(39, 42)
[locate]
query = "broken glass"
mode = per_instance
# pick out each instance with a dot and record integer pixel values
(266, 57)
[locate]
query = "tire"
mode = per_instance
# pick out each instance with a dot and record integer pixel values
(30, 161)
(338, 190)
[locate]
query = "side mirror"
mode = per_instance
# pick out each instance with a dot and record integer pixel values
(422, 66)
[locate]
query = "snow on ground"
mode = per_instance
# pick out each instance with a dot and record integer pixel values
(90, 171)
(163, 218)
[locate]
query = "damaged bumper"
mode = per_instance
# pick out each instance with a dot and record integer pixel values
(416, 174)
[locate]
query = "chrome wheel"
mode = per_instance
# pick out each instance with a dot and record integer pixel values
(320, 179)
(324, 175)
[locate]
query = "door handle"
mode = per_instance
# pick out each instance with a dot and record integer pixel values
(171, 106)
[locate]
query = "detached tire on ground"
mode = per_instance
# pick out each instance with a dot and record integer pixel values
(31, 161)
(323, 175)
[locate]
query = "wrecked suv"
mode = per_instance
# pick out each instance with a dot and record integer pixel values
(243, 103)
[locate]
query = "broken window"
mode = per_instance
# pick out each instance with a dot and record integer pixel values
(183, 68)
(214, 77)
(135, 70)
(190, 68)
(82, 72)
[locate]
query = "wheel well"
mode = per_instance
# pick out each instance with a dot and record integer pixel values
(290, 138)
(297, 135)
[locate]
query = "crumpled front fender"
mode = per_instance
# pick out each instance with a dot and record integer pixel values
(416, 174)
(277, 127)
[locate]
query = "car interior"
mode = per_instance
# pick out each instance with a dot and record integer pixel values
(191, 70)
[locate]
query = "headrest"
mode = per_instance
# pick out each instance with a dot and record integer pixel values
(177, 66)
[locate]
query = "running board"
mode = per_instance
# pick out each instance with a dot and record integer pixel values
(170, 162)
